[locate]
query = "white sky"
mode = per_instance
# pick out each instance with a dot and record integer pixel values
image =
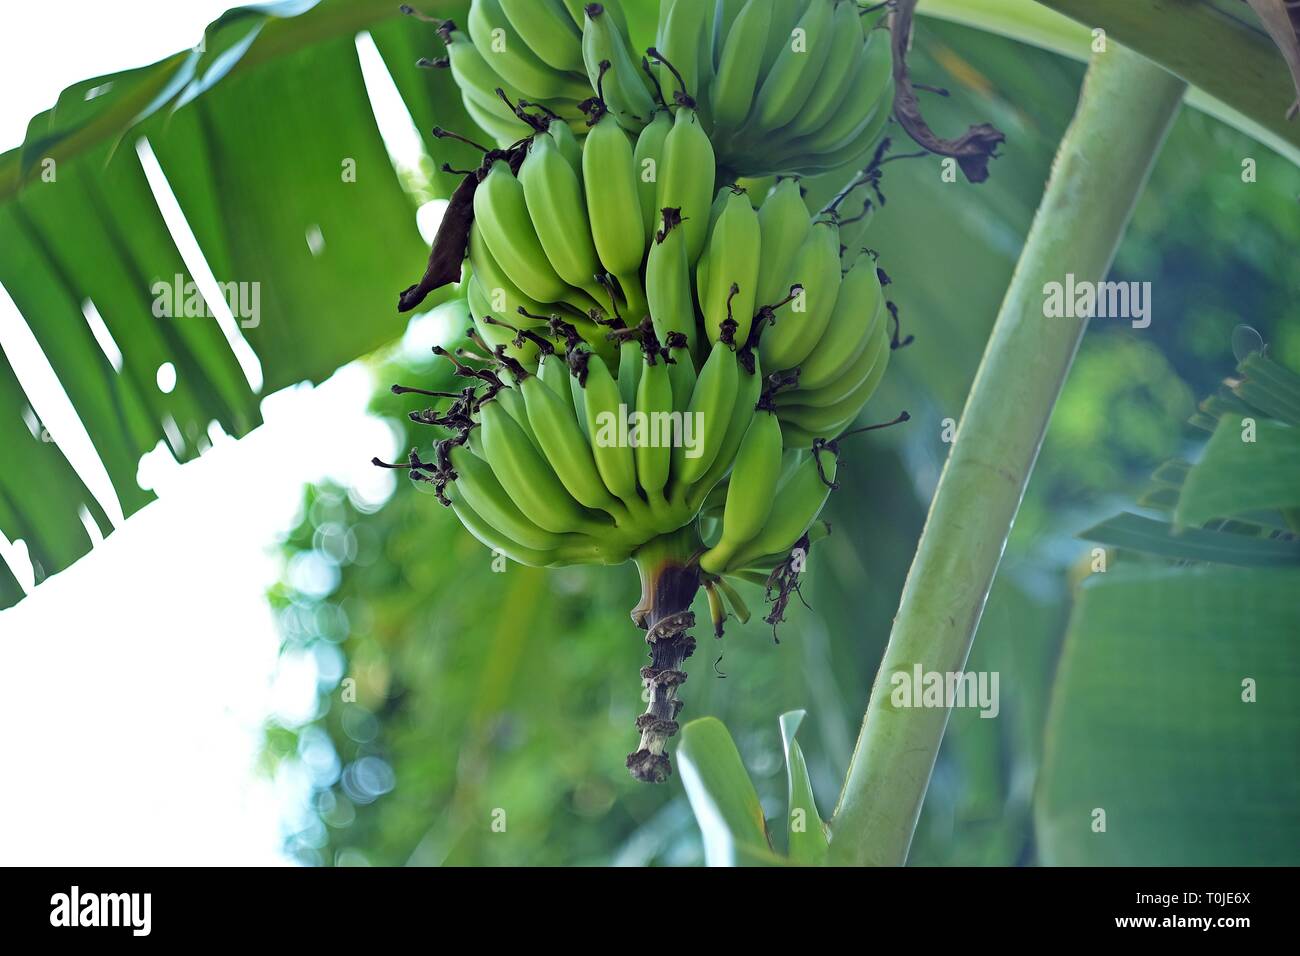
(138, 680)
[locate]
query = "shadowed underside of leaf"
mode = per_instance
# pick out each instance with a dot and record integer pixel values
(1218, 46)
(1251, 96)
(1280, 19)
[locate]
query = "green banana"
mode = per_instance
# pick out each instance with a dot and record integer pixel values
(762, 566)
(483, 492)
(502, 297)
(495, 335)
(702, 265)
(578, 11)
(579, 403)
(782, 21)
(503, 131)
(629, 371)
(791, 78)
(750, 490)
(604, 408)
(686, 177)
(568, 144)
(872, 79)
(668, 280)
(548, 30)
(783, 225)
(749, 387)
(513, 403)
(614, 208)
(709, 413)
(512, 59)
(501, 215)
(791, 458)
(829, 420)
(623, 86)
(799, 324)
(685, 40)
(858, 147)
(493, 539)
(681, 372)
(554, 373)
(576, 14)
(472, 71)
(859, 307)
(479, 85)
(796, 437)
(648, 159)
(795, 507)
(714, 502)
(565, 446)
(838, 389)
(725, 14)
(559, 214)
(727, 275)
(732, 93)
(654, 418)
(836, 78)
(525, 475)
(575, 549)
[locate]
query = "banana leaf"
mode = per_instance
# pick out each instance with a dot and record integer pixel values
(1175, 722)
(722, 795)
(1219, 46)
(265, 136)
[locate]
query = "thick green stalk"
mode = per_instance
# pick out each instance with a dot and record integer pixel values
(1125, 109)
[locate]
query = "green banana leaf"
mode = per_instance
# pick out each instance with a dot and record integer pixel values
(808, 838)
(1233, 506)
(1147, 535)
(722, 796)
(257, 132)
(1235, 477)
(1153, 722)
(1269, 387)
(1219, 46)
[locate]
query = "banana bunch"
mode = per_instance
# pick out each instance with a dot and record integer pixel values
(786, 86)
(519, 53)
(561, 257)
(789, 87)
(823, 333)
(779, 86)
(660, 362)
(571, 233)
(607, 448)
(573, 464)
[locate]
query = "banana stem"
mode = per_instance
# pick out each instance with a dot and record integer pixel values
(1125, 109)
(669, 582)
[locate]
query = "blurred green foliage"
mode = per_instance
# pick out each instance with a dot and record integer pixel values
(487, 696)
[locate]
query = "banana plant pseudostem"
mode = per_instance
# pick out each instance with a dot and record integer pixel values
(1125, 110)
